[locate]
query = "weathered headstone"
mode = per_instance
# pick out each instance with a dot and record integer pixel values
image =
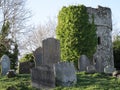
(99, 63)
(65, 74)
(38, 56)
(43, 77)
(5, 64)
(83, 62)
(51, 51)
(25, 67)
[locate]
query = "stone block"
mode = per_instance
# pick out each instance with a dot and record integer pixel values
(91, 69)
(109, 69)
(43, 77)
(65, 74)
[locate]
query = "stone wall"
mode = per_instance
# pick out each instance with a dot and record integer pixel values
(104, 53)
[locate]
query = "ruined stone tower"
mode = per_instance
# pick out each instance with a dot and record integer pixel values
(104, 53)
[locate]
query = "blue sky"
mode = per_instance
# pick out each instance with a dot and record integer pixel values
(42, 10)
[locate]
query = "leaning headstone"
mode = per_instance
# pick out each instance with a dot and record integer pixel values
(83, 62)
(65, 74)
(43, 77)
(5, 64)
(38, 56)
(51, 51)
(109, 69)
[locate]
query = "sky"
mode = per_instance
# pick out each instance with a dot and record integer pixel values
(42, 10)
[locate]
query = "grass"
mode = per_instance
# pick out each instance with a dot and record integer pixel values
(94, 82)
(84, 82)
(20, 82)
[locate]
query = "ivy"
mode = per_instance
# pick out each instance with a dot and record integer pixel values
(76, 34)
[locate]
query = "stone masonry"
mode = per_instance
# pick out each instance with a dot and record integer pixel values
(103, 22)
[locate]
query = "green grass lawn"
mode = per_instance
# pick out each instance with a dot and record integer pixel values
(85, 82)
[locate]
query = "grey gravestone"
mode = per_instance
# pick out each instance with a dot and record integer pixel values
(5, 64)
(38, 56)
(109, 69)
(51, 51)
(43, 77)
(65, 74)
(91, 69)
(99, 63)
(83, 62)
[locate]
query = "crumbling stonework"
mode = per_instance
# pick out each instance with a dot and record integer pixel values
(104, 53)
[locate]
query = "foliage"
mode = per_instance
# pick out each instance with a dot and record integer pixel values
(6, 43)
(27, 57)
(116, 50)
(76, 34)
(14, 57)
(20, 82)
(95, 81)
(85, 81)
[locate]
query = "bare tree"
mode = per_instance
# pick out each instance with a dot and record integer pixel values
(14, 12)
(35, 37)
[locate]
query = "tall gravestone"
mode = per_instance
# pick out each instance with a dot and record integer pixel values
(103, 22)
(51, 51)
(5, 64)
(38, 56)
(43, 75)
(83, 62)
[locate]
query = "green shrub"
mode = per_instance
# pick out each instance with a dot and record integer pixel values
(27, 57)
(76, 34)
(116, 51)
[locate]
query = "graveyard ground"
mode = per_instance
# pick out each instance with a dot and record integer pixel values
(85, 82)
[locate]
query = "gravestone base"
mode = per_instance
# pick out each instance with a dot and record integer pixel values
(43, 77)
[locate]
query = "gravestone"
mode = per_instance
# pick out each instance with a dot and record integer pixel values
(109, 69)
(25, 67)
(51, 51)
(98, 63)
(5, 64)
(65, 74)
(38, 56)
(83, 62)
(91, 69)
(43, 77)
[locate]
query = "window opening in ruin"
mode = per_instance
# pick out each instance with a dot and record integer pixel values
(99, 40)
